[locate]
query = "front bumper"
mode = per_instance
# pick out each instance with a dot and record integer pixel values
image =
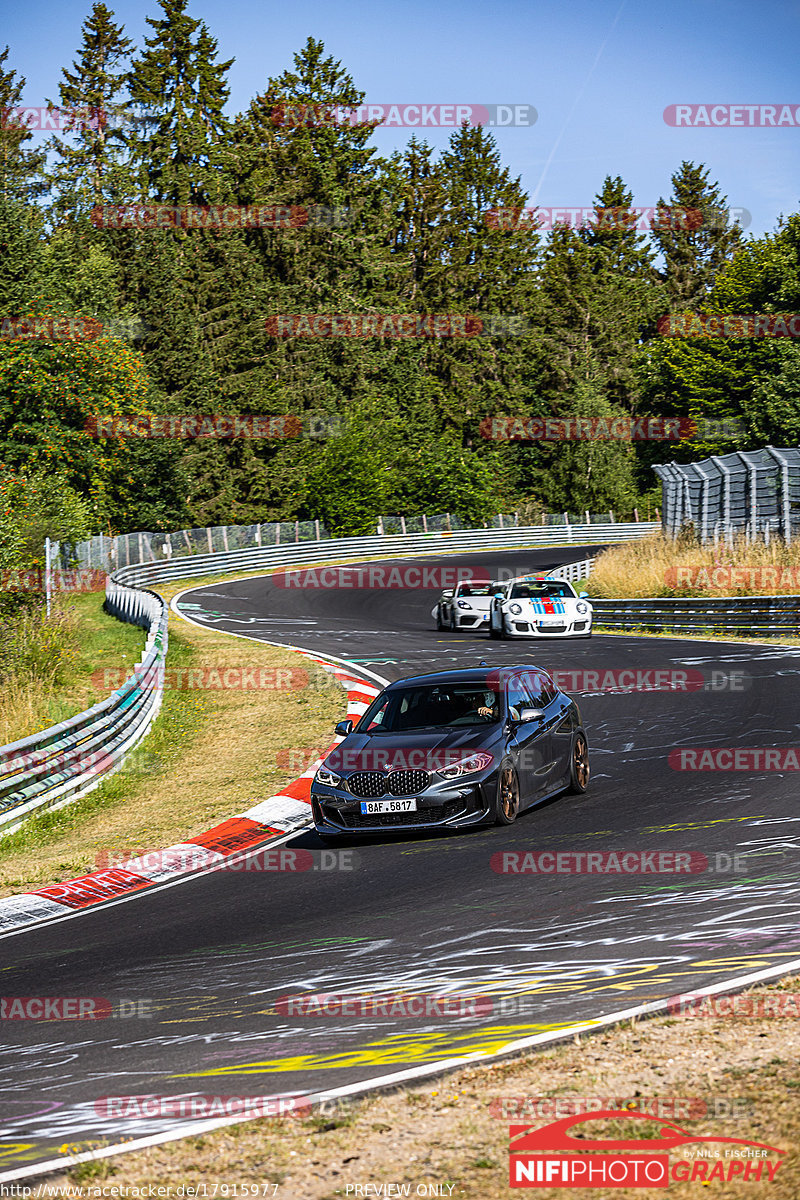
(522, 627)
(472, 620)
(452, 806)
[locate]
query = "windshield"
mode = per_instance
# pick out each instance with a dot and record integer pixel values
(539, 591)
(476, 589)
(431, 706)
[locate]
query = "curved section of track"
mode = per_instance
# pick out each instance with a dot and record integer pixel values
(427, 913)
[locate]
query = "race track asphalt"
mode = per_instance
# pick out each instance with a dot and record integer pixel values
(425, 913)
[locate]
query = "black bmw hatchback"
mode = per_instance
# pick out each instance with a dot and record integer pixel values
(452, 750)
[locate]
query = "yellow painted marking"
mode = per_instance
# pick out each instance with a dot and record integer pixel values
(16, 1149)
(397, 1049)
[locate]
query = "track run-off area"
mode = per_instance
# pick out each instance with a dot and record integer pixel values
(428, 914)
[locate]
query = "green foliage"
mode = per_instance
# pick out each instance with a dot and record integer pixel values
(38, 506)
(34, 646)
(389, 425)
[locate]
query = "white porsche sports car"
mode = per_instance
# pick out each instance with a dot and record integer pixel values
(466, 606)
(536, 607)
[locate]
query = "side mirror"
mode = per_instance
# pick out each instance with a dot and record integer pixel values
(448, 594)
(530, 714)
(499, 596)
(344, 727)
(583, 595)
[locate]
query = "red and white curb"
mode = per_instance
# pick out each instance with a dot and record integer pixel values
(268, 822)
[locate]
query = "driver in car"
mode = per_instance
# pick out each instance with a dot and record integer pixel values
(490, 706)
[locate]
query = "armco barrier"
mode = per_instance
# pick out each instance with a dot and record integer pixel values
(383, 546)
(763, 616)
(743, 616)
(62, 763)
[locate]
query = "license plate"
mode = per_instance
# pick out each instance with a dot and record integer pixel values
(387, 806)
(486, 616)
(551, 621)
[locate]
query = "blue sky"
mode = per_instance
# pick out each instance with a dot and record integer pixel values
(599, 73)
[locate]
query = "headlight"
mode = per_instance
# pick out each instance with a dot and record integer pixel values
(324, 775)
(463, 604)
(516, 609)
(582, 607)
(467, 766)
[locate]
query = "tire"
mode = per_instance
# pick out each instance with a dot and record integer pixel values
(579, 770)
(494, 633)
(506, 804)
(440, 625)
(453, 626)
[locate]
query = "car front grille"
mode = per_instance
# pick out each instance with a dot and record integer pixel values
(407, 783)
(369, 785)
(424, 816)
(552, 628)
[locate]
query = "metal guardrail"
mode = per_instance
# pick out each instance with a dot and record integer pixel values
(387, 546)
(574, 571)
(761, 616)
(58, 765)
(765, 616)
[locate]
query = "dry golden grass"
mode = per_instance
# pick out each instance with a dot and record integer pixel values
(211, 754)
(659, 566)
(63, 681)
(444, 1132)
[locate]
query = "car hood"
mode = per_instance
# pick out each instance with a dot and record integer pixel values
(425, 749)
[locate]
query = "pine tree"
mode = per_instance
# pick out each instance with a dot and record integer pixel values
(183, 89)
(613, 232)
(21, 221)
(692, 233)
(20, 168)
(90, 169)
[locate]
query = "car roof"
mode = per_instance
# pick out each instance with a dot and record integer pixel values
(466, 675)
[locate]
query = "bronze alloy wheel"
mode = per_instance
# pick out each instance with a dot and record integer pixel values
(579, 767)
(507, 805)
